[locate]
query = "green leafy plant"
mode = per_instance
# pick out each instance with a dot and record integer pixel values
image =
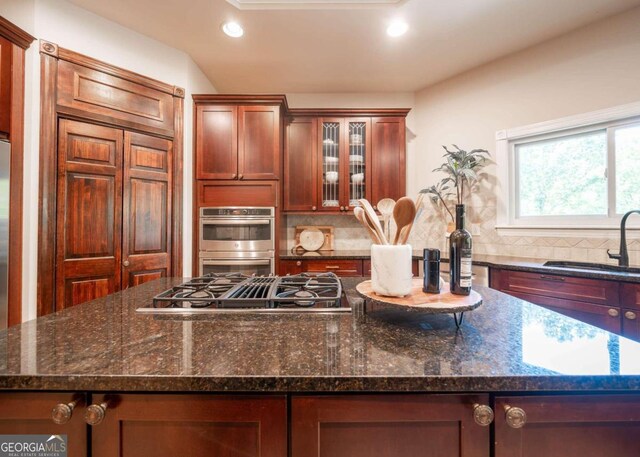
(461, 169)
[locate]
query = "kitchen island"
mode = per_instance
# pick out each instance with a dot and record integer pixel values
(383, 376)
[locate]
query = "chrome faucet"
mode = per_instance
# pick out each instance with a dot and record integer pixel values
(623, 255)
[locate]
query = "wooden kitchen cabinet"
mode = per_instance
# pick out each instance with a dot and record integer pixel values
(630, 295)
(567, 426)
(341, 267)
(593, 301)
(358, 154)
(193, 425)
(387, 426)
(388, 156)
(238, 137)
(114, 211)
(31, 414)
(301, 164)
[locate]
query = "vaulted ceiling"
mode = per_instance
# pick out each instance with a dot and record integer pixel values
(342, 48)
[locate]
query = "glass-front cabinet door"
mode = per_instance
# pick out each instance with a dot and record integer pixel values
(331, 136)
(345, 158)
(359, 175)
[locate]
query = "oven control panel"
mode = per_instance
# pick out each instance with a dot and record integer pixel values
(239, 211)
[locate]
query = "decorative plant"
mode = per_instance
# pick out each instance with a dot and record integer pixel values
(461, 170)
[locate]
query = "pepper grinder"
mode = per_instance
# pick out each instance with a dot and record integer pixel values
(431, 271)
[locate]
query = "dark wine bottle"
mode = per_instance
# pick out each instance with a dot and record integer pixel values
(460, 256)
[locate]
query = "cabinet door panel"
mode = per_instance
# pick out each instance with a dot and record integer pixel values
(631, 324)
(193, 425)
(387, 426)
(332, 162)
(630, 295)
(605, 317)
(258, 142)
(577, 426)
(216, 142)
(388, 169)
(562, 287)
(301, 165)
(89, 212)
(146, 227)
(30, 414)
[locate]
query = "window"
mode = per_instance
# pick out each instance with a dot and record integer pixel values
(578, 172)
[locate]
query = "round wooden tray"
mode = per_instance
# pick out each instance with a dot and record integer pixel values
(417, 301)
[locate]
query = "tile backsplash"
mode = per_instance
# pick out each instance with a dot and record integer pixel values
(430, 231)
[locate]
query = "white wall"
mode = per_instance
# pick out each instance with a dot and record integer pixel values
(592, 68)
(79, 30)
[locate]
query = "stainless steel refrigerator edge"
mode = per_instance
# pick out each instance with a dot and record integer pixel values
(5, 160)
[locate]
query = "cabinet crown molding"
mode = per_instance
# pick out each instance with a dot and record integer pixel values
(351, 112)
(241, 99)
(15, 34)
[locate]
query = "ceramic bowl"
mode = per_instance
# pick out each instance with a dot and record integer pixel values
(357, 178)
(331, 176)
(356, 158)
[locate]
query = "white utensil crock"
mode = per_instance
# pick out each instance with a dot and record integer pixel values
(391, 273)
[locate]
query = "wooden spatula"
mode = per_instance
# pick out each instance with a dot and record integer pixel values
(362, 218)
(403, 213)
(374, 222)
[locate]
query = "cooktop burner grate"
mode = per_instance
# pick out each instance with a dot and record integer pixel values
(237, 292)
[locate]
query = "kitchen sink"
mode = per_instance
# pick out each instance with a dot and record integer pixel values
(590, 266)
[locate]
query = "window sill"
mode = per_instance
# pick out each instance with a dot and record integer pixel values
(633, 232)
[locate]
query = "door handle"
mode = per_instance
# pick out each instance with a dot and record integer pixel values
(125, 263)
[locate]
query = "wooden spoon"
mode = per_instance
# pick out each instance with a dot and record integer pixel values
(403, 213)
(360, 215)
(385, 206)
(406, 231)
(374, 222)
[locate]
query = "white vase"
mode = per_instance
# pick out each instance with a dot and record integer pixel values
(391, 273)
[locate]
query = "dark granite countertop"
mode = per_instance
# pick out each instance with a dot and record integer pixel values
(504, 345)
(510, 263)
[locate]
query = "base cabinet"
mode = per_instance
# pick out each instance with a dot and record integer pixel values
(387, 426)
(567, 426)
(31, 414)
(191, 425)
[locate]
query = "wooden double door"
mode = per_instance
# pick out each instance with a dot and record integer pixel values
(113, 211)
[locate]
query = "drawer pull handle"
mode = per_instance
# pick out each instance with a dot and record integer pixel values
(630, 315)
(552, 278)
(298, 263)
(95, 413)
(62, 412)
(515, 417)
(332, 267)
(613, 312)
(482, 415)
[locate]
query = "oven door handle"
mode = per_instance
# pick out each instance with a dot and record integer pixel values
(210, 262)
(235, 221)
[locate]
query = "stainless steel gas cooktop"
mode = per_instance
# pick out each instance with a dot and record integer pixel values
(215, 293)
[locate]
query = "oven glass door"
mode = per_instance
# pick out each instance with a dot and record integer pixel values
(245, 266)
(237, 235)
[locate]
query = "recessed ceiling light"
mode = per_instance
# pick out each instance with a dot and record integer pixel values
(233, 29)
(397, 28)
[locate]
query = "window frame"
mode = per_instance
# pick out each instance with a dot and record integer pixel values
(508, 221)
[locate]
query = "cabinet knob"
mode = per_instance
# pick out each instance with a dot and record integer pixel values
(240, 176)
(613, 312)
(375, 207)
(314, 208)
(62, 412)
(630, 315)
(342, 208)
(298, 263)
(516, 417)
(125, 263)
(95, 413)
(233, 176)
(482, 415)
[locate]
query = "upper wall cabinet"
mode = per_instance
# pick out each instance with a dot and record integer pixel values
(238, 137)
(333, 158)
